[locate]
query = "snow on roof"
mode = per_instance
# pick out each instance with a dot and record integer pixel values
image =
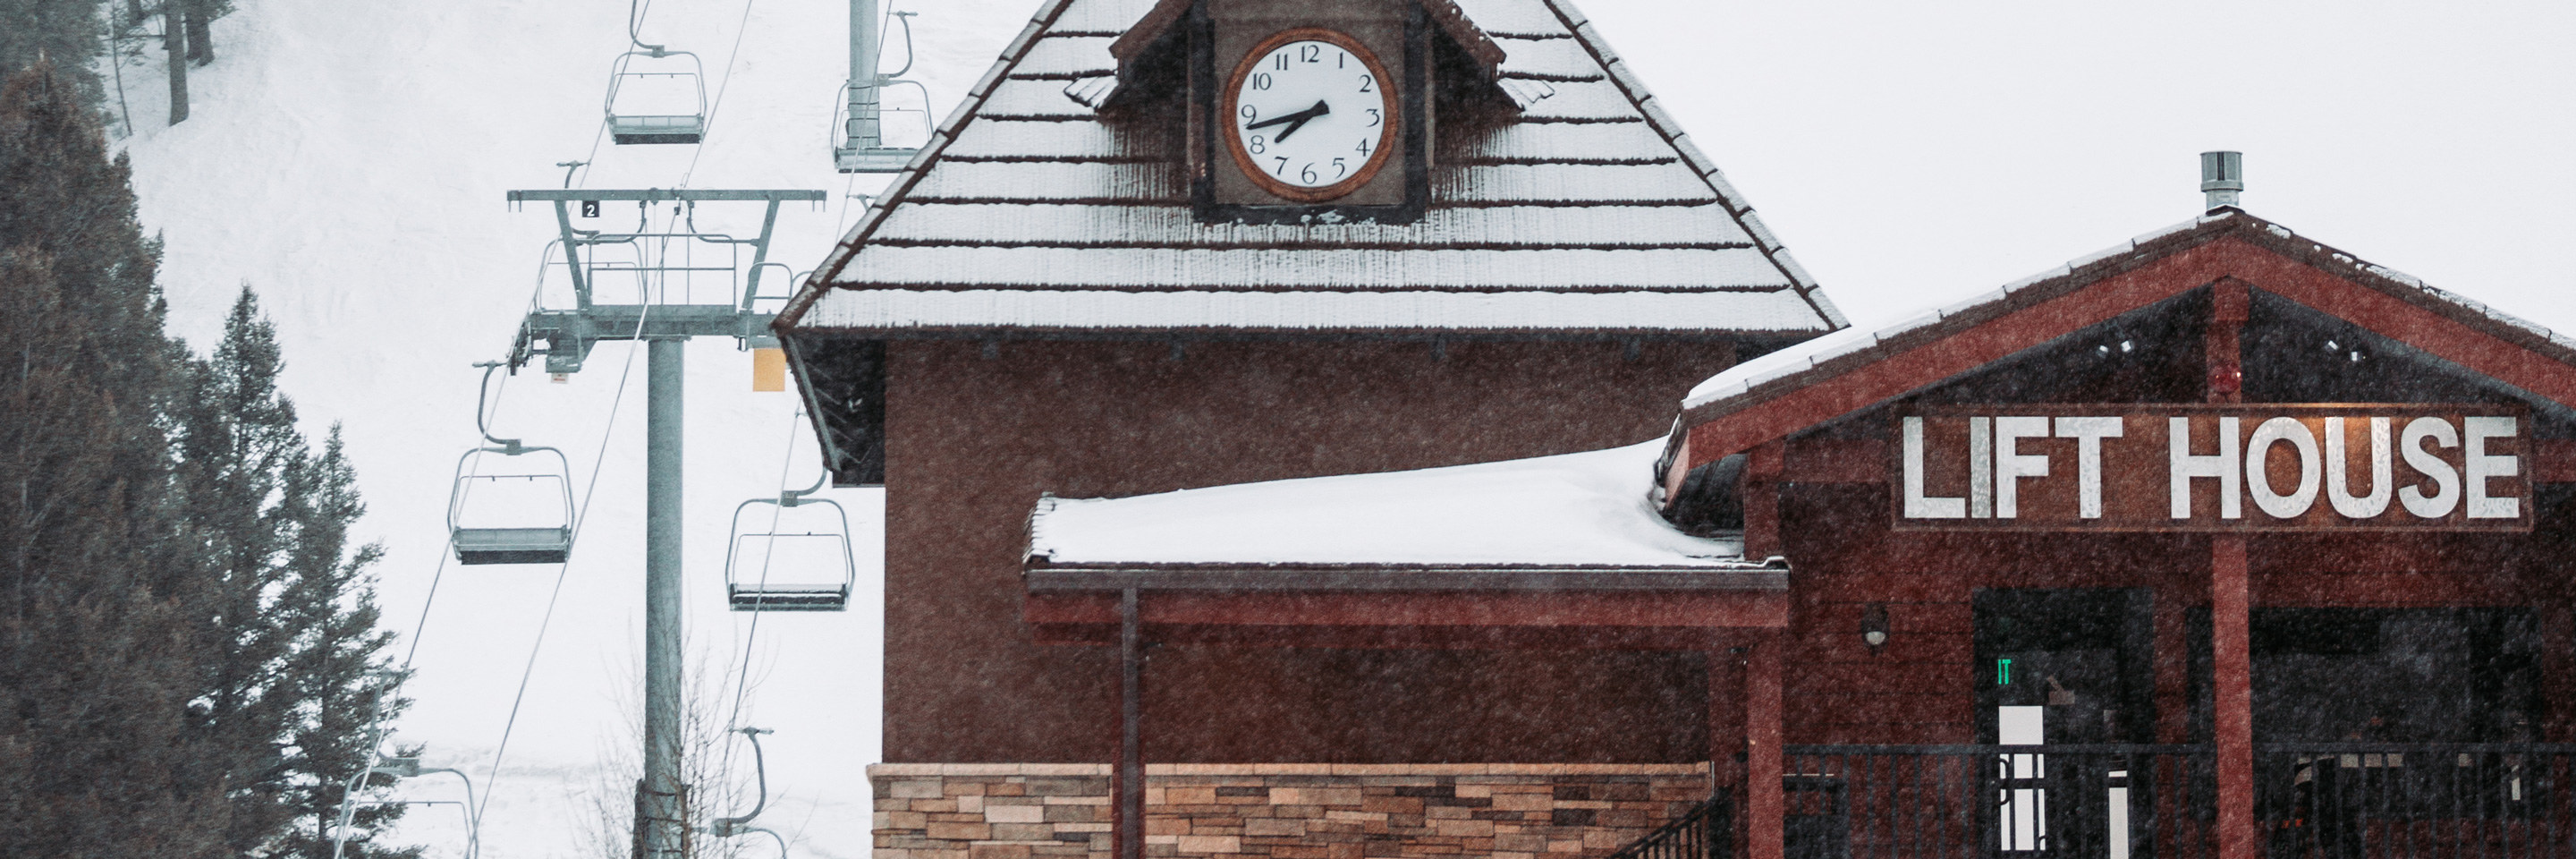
(1800, 357)
(1804, 363)
(1580, 509)
(1590, 191)
(1102, 310)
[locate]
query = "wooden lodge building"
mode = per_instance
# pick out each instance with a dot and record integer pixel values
(1370, 428)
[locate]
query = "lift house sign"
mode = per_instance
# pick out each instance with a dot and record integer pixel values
(2254, 467)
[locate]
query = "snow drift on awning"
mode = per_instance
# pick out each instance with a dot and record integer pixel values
(1577, 510)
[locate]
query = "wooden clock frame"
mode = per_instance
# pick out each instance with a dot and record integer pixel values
(1233, 142)
(1410, 120)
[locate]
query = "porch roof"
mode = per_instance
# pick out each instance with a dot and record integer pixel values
(1579, 521)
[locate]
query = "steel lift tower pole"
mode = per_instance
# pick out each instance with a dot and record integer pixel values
(661, 796)
(661, 799)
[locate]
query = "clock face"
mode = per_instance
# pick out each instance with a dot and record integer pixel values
(1313, 114)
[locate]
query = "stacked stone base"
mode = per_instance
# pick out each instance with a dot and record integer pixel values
(1284, 811)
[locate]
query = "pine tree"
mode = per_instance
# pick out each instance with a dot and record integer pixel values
(98, 754)
(63, 32)
(300, 678)
(189, 665)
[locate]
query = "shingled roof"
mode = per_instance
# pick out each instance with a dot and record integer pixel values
(1588, 211)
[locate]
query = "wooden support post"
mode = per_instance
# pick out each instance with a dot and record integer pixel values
(1764, 806)
(2230, 648)
(1726, 735)
(2231, 600)
(1765, 465)
(1130, 776)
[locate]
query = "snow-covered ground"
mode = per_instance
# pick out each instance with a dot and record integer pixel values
(349, 160)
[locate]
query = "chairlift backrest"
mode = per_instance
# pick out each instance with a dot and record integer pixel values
(653, 101)
(783, 567)
(524, 513)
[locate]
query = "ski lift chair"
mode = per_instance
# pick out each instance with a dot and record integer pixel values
(479, 543)
(814, 572)
(661, 105)
(518, 541)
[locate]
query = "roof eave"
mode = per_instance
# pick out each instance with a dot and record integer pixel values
(1044, 577)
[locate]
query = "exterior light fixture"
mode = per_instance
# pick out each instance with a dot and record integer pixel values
(1873, 626)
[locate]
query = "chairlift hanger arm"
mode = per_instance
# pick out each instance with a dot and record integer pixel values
(656, 195)
(759, 254)
(726, 826)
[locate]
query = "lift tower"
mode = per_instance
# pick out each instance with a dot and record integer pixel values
(665, 322)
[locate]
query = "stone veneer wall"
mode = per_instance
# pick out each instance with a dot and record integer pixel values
(1284, 811)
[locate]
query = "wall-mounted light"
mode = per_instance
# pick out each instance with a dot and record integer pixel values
(1873, 626)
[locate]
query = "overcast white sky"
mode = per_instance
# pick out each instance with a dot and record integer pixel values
(1913, 154)
(1909, 154)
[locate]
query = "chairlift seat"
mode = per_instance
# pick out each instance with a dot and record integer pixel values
(672, 103)
(511, 545)
(525, 535)
(682, 128)
(818, 583)
(788, 597)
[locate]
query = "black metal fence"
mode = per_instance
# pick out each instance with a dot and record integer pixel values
(2415, 800)
(1960, 801)
(1707, 832)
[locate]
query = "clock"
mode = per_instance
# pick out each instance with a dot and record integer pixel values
(1313, 114)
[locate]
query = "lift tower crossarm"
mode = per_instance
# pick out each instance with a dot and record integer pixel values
(658, 195)
(569, 333)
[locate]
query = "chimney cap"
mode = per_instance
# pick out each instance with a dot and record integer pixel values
(2222, 177)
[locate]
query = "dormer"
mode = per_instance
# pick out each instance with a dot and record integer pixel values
(1319, 112)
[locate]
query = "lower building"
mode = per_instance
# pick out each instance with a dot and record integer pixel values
(2218, 543)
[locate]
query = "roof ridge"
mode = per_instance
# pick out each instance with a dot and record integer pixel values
(1754, 383)
(819, 281)
(1670, 130)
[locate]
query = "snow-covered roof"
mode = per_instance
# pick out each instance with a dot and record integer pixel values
(1815, 362)
(1801, 357)
(1590, 192)
(1571, 512)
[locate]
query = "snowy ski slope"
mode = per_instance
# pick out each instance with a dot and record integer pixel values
(349, 161)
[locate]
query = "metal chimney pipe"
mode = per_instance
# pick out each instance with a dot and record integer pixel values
(2222, 177)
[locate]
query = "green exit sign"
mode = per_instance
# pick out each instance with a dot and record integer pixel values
(2003, 672)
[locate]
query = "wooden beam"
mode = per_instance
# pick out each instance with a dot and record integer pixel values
(2231, 600)
(1129, 816)
(1398, 638)
(1706, 610)
(1726, 732)
(1764, 806)
(1763, 471)
(1928, 362)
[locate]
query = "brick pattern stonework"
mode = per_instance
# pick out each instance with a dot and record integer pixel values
(1283, 811)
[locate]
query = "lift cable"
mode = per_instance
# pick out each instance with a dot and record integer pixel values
(740, 27)
(751, 636)
(378, 729)
(590, 491)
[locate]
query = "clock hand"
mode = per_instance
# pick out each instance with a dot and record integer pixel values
(1318, 110)
(1299, 118)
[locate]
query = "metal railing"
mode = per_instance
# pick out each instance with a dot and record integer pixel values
(2035, 802)
(2415, 800)
(1707, 832)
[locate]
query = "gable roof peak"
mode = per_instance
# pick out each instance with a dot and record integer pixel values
(1776, 394)
(1588, 212)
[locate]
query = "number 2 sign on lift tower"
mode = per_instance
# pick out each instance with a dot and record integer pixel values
(2252, 467)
